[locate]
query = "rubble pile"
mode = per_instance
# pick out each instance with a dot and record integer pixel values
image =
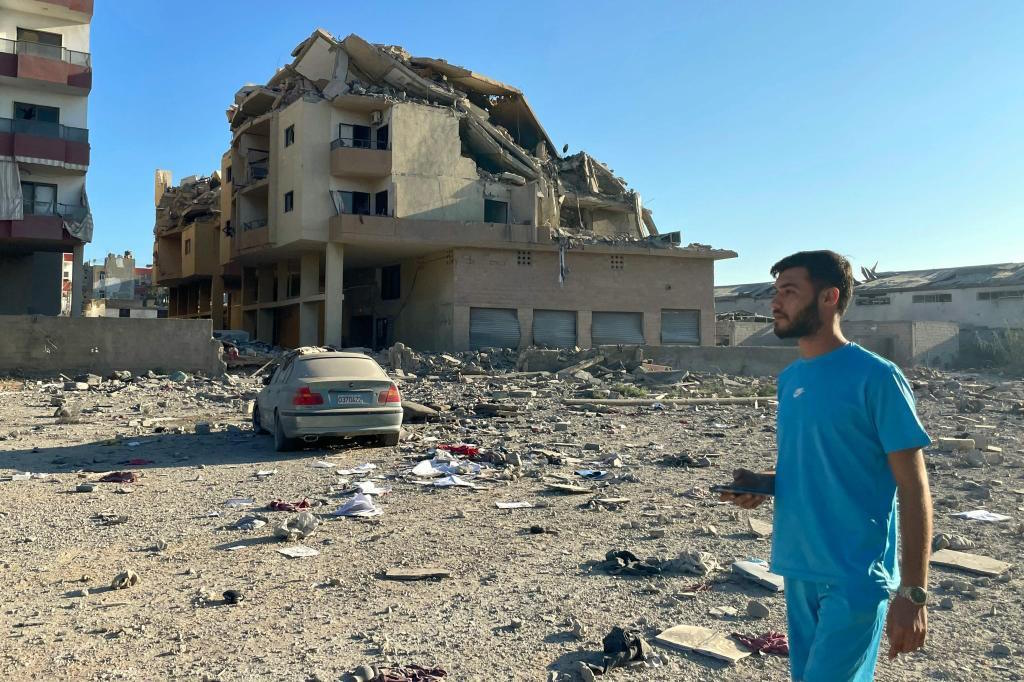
(541, 505)
(195, 198)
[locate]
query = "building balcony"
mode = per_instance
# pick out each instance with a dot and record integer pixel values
(76, 11)
(68, 70)
(43, 222)
(39, 141)
(252, 234)
(359, 158)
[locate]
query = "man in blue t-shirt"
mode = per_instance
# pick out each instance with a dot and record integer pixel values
(849, 447)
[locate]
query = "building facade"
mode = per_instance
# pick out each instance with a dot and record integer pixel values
(45, 80)
(118, 288)
(370, 197)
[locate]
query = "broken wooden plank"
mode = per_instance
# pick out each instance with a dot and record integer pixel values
(702, 641)
(973, 563)
(566, 488)
(416, 573)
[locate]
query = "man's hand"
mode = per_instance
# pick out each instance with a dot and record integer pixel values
(906, 626)
(745, 478)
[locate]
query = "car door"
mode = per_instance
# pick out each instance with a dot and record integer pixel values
(267, 399)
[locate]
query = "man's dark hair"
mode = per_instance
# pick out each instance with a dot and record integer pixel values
(826, 269)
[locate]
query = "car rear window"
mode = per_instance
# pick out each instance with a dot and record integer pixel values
(350, 368)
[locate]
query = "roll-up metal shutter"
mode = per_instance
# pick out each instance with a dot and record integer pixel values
(615, 328)
(554, 328)
(680, 326)
(493, 328)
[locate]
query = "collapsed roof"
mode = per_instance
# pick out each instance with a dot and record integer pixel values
(195, 198)
(498, 128)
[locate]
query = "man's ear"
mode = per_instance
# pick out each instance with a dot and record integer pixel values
(830, 295)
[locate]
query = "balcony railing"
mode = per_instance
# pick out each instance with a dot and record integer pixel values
(56, 52)
(67, 211)
(43, 129)
(360, 143)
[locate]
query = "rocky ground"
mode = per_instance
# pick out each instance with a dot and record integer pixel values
(528, 594)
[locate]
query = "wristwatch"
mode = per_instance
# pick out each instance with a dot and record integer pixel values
(917, 595)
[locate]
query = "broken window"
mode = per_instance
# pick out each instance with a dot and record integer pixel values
(380, 203)
(391, 282)
(495, 211)
(872, 300)
(356, 203)
(382, 137)
(289, 201)
(39, 198)
(933, 298)
(188, 246)
(998, 295)
(289, 136)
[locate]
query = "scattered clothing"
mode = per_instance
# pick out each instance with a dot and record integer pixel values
(410, 673)
(281, 505)
(768, 643)
(120, 477)
(618, 562)
(464, 449)
(624, 646)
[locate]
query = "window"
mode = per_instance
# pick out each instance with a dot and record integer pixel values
(39, 198)
(383, 137)
(124, 312)
(998, 295)
(361, 137)
(227, 174)
(188, 246)
(380, 203)
(617, 262)
(933, 298)
(872, 300)
(524, 258)
(357, 203)
(36, 112)
(294, 281)
(289, 136)
(495, 211)
(391, 282)
(289, 201)
(32, 35)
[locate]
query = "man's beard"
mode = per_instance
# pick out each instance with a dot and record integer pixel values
(806, 322)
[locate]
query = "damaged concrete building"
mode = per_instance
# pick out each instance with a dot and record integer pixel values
(186, 251)
(370, 196)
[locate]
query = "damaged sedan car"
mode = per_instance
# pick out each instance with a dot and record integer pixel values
(315, 395)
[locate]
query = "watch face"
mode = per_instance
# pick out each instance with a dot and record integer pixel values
(918, 595)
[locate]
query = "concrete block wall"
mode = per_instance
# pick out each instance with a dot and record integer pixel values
(46, 346)
(936, 344)
(745, 361)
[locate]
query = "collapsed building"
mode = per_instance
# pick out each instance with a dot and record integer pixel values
(370, 196)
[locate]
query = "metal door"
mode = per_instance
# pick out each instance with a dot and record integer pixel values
(493, 328)
(680, 326)
(617, 328)
(554, 328)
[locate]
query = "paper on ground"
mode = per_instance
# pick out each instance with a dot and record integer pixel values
(360, 505)
(454, 480)
(298, 551)
(361, 469)
(981, 515)
(514, 505)
(370, 488)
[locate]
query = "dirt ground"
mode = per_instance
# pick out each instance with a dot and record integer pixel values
(503, 613)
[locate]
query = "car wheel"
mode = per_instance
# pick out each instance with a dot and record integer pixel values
(281, 442)
(389, 440)
(256, 425)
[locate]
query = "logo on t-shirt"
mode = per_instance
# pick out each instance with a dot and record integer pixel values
(798, 392)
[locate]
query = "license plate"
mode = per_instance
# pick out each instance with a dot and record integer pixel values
(349, 399)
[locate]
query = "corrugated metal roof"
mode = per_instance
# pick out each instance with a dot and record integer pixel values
(974, 276)
(757, 290)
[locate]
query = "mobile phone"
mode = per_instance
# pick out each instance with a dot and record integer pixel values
(737, 490)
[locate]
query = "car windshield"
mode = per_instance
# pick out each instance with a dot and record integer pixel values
(349, 368)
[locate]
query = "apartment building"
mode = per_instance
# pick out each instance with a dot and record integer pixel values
(370, 197)
(45, 79)
(117, 287)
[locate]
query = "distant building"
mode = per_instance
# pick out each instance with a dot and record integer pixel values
(977, 296)
(117, 288)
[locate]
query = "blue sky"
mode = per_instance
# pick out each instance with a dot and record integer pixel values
(890, 132)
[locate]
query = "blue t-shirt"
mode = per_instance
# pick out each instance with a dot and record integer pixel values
(835, 497)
